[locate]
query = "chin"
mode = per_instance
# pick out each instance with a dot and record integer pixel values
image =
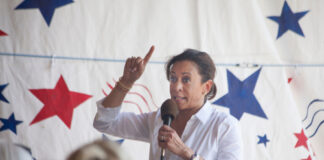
(181, 106)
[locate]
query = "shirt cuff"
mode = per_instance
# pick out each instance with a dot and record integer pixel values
(106, 114)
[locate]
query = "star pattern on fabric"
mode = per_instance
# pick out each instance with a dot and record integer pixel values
(288, 20)
(302, 139)
(27, 149)
(59, 101)
(2, 97)
(240, 97)
(308, 158)
(290, 79)
(2, 33)
(46, 7)
(120, 141)
(263, 139)
(105, 138)
(10, 123)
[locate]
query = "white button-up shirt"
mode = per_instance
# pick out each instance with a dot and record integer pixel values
(214, 135)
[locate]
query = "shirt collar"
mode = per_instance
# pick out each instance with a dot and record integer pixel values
(204, 113)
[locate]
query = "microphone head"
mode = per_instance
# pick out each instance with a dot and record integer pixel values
(169, 108)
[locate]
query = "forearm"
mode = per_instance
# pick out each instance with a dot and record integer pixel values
(117, 95)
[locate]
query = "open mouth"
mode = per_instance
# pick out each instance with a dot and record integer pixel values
(177, 98)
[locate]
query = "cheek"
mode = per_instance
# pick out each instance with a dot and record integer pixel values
(171, 88)
(196, 92)
(191, 92)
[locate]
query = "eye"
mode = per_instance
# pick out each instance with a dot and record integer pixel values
(185, 79)
(173, 79)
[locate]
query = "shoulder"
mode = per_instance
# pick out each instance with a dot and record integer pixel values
(225, 127)
(222, 120)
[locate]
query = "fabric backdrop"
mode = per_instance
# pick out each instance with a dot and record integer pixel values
(58, 57)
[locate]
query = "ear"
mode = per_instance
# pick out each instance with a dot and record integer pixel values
(207, 86)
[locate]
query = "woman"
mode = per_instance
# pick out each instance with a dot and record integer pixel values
(197, 132)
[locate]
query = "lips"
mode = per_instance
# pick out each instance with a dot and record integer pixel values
(178, 98)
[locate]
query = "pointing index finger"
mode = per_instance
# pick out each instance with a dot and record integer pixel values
(148, 55)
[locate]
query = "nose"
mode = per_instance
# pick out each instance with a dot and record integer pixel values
(177, 86)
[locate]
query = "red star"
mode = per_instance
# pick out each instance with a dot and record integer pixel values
(302, 139)
(290, 79)
(308, 158)
(58, 101)
(2, 33)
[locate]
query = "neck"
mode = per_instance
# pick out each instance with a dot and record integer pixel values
(187, 113)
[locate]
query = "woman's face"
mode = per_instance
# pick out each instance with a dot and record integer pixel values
(186, 88)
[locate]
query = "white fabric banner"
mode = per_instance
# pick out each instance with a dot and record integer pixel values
(58, 57)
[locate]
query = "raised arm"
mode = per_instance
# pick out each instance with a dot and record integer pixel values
(133, 70)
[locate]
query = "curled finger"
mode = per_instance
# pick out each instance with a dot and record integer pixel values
(128, 63)
(138, 61)
(162, 138)
(133, 64)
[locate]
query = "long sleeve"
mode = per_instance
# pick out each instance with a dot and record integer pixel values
(126, 125)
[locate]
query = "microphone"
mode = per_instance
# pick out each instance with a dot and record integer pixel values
(169, 111)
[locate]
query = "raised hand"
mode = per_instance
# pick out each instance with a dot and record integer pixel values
(134, 68)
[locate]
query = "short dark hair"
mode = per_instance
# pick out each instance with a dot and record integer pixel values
(206, 67)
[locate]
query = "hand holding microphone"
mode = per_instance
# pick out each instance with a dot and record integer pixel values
(168, 137)
(169, 111)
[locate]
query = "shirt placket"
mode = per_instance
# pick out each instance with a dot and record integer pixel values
(188, 130)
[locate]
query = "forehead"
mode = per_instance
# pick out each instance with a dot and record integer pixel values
(184, 66)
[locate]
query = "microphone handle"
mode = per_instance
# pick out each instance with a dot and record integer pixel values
(162, 154)
(166, 121)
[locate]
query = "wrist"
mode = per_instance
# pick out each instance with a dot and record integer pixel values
(124, 85)
(187, 153)
(195, 156)
(125, 82)
(191, 155)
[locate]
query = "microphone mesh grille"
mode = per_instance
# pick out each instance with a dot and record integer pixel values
(169, 108)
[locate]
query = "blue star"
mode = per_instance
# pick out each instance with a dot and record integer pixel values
(27, 149)
(288, 20)
(2, 98)
(240, 97)
(105, 138)
(263, 140)
(120, 141)
(10, 123)
(46, 7)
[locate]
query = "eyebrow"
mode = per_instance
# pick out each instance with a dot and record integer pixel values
(183, 73)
